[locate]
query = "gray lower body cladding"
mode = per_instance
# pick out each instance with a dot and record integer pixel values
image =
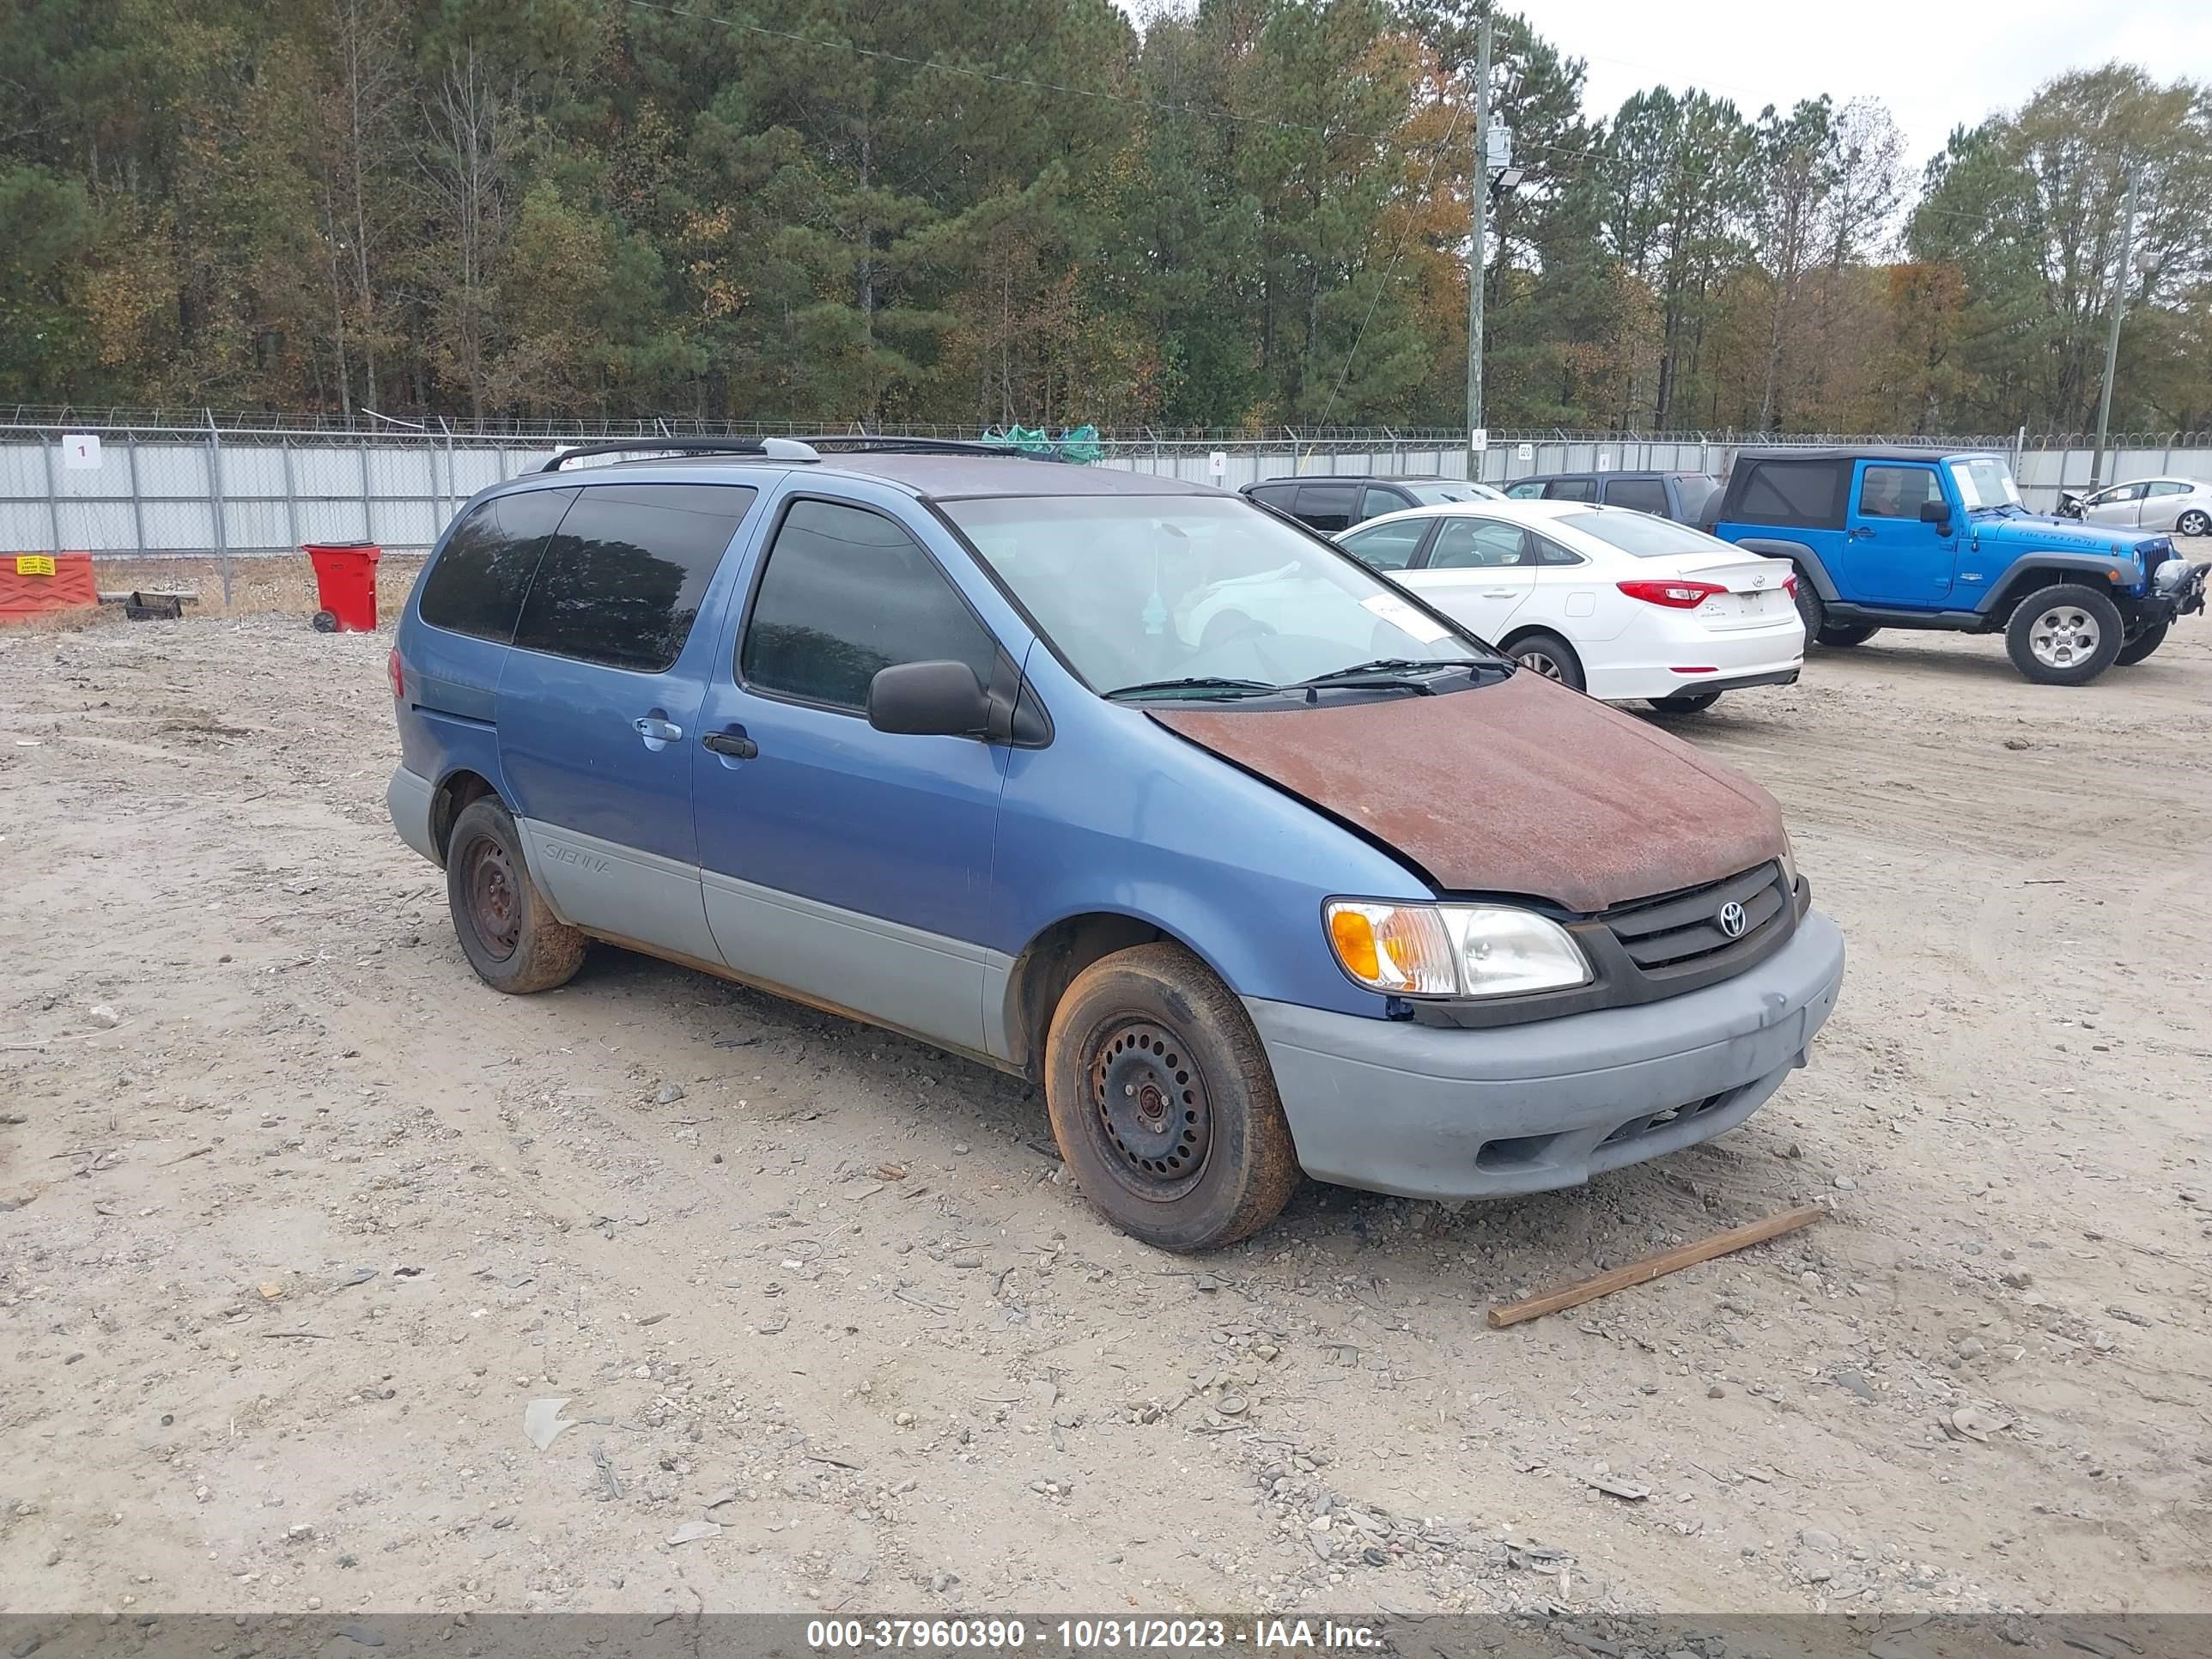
(1426, 1112)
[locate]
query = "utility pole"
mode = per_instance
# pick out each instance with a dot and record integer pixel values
(2112, 338)
(1479, 205)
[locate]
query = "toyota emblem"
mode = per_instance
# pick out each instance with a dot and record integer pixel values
(1732, 920)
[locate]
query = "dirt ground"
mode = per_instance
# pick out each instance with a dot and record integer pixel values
(301, 1219)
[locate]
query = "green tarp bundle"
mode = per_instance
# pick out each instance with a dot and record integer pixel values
(1078, 444)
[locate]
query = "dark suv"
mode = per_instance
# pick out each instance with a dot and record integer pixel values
(1331, 502)
(1681, 497)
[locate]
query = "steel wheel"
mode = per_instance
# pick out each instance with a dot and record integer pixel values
(1150, 1104)
(2063, 636)
(494, 905)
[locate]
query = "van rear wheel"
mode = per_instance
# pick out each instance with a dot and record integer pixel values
(1162, 1102)
(508, 933)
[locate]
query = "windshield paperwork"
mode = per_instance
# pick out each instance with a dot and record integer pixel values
(1985, 481)
(1198, 597)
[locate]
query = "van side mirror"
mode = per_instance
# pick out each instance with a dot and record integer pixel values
(1937, 513)
(929, 700)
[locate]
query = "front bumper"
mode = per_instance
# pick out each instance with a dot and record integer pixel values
(1427, 1112)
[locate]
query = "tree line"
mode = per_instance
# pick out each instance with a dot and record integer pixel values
(987, 211)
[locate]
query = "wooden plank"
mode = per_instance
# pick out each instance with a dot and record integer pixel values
(1654, 1266)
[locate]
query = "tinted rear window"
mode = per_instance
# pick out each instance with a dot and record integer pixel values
(1571, 489)
(1696, 493)
(621, 584)
(1325, 507)
(477, 585)
(1644, 495)
(1806, 494)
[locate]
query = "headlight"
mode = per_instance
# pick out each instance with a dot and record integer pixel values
(1452, 950)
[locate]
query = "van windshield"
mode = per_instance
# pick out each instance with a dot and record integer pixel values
(1135, 590)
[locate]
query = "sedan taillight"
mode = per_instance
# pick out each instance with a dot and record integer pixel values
(398, 678)
(1789, 585)
(1675, 595)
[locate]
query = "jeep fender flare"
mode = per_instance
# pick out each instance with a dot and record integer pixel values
(2024, 574)
(1809, 564)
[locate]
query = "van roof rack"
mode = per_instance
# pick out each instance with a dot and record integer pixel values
(869, 443)
(773, 449)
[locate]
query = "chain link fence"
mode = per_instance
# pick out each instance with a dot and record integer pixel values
(155, 483)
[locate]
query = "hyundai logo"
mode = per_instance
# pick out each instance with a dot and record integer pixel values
(1732, 920)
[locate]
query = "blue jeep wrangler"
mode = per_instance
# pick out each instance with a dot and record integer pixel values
(1895, 537)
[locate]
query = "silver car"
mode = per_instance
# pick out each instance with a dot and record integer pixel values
(2181, 505)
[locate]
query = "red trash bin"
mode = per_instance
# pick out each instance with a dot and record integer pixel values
(346, 585)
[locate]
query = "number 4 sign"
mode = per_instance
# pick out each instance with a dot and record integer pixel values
(81, 452)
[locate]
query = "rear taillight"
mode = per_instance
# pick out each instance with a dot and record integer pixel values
(1675, 595)
(1789, 585)
(398, 678)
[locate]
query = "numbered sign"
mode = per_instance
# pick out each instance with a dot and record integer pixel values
(1217, 464)
(81, 452)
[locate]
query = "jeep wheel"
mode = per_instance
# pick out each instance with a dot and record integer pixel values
(1162, 1102)
(2141, 646)
(509, 933)
(2195, 522)
(1551, 657)
(2066, 635)
(1847, 634)
(1810, 611)
(1690, 702)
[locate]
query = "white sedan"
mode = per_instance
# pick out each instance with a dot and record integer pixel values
(2181, 505)
(1611, 601)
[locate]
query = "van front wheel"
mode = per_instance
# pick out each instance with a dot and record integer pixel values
(1162, 1102)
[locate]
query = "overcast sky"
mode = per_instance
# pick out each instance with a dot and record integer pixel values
(1935, 62)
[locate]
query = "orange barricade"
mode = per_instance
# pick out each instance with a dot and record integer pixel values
(32, 584)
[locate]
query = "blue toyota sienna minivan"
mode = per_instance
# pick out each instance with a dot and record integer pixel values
(1128, 785)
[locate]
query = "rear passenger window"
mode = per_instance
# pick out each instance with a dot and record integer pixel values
(1279, 496)
(1806, 494)
(621, 584)
(1325, 507)
(1644, 495)
(1527, 490)
(1477, 544)
(478, 584)
(846, 594)
(1571, 489)
(1550, 552)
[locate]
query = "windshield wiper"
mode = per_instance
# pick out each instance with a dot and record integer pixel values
(1395, 671)
(1197, 685)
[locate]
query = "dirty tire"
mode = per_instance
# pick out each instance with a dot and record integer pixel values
(1551, 657)
(1692, 702)
(2141, 646)
(509, 933)
(2064, 635)
(1846, 634)
(1162, 1102)
(1810, 611)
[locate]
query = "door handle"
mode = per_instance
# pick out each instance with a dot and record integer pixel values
(736, 744)
(1857, 532)
(1499, 592)
(654, 729)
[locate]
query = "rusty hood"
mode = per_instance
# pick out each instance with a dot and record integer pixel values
(1521, 788)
